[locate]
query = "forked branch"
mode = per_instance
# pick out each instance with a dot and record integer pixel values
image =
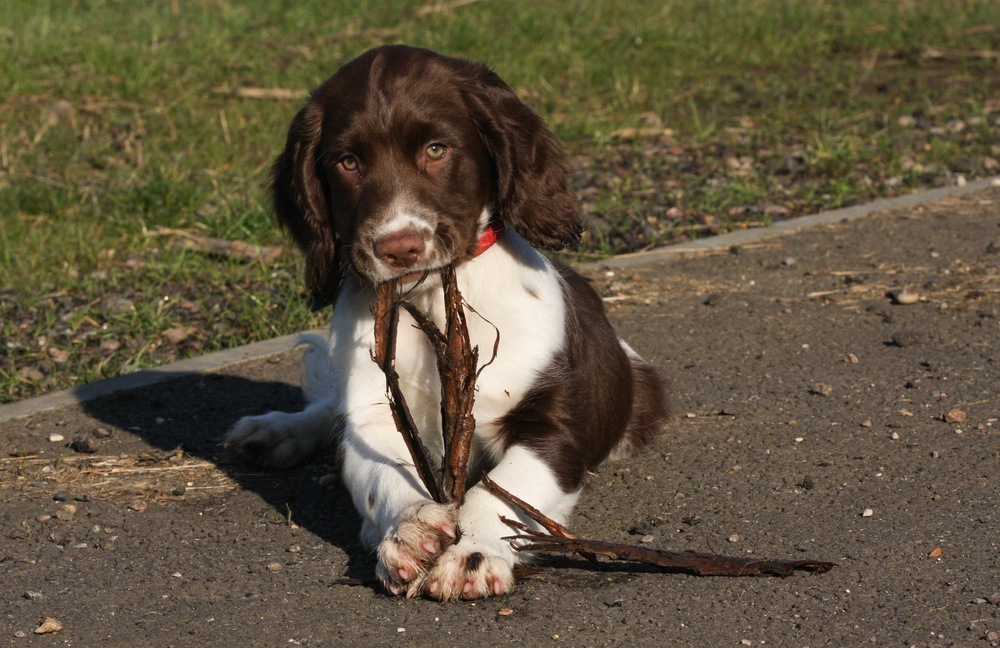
(456, 360)
(560, 540)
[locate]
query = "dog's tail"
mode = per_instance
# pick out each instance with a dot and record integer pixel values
(318, 378)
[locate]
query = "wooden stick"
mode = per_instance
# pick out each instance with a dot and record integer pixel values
(457, 366)
(280, 94)
(698, 564)
(456, 360)
(187, 240)
(550, 525)
(386, 323)
(560, 540)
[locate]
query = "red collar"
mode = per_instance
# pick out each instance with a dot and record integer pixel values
(489, 237)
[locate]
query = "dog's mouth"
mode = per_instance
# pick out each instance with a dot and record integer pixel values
(406, 281)
(414, 278)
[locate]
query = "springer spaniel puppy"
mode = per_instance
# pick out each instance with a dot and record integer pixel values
(400, 163)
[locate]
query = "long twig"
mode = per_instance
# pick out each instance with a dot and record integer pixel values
(456, 361)
(457, 366)
(560, 540)
(386, 322)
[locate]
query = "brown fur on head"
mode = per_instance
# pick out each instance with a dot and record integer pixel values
(355, 154)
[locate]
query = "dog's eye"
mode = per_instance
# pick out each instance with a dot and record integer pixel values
(436, 151)
(350, 164)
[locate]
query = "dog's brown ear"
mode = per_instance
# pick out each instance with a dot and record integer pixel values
(532, 195)
(300, 204)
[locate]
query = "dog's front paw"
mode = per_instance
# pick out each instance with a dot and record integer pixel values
(270, 441)
(466, 570)
(423, 532)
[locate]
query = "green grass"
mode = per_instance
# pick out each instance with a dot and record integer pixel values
(109, 129)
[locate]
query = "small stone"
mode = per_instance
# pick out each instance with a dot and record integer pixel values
(807, 483)
(31, 374)
(905, 339)
(993, 635)
(714, 299)
(643, 528)
(788, 261)
(177, 334)
(903, 297)
(853, 359)
(867, 513)
(994, 598)
(102, 433)
(43, 518)
(62, 496)
(746, 642)
(895, 436)
(34, 596)
(58, 356)
(83, 444)
(138, 505)
(110, 344)
(294, 549)
(56, 438)
(734, 538)
(180, 490)
(937, 551)
(20, 634)
(274, 567)
(505, 611)
(646, 538)
(953, 416)
(82, 497)
(49, 625)
(868, 423)
(821, 389)
(980, 601)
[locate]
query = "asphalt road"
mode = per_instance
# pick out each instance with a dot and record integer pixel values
(812, 425)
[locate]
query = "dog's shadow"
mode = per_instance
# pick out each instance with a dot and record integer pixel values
(193, 413)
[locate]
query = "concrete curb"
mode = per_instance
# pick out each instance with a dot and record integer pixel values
(743, 237)
(258, 350)
(200, 365)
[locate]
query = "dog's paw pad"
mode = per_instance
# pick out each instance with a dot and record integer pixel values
(268, 441)
(465, 573)
(424, 531)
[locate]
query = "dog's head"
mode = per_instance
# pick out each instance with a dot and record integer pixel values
(399, 162)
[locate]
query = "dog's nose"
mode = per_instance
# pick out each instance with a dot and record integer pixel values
(400, 249)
